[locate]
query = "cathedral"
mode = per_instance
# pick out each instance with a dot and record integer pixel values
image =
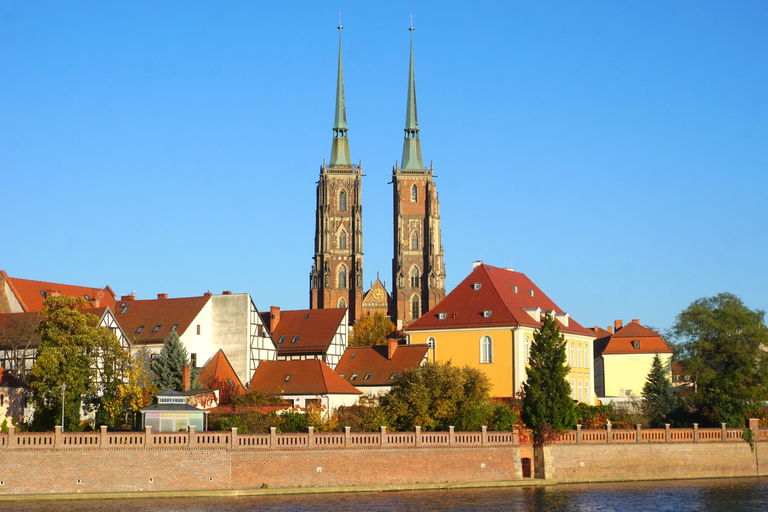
(418, 269)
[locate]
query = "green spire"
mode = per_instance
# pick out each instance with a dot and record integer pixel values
(340, 147)
(411, 145)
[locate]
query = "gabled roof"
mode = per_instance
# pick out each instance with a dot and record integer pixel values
(621, 342)
(17, 324)
(506, 294)
(306, 377)
(9, 381)
(373, 360)
(31, 294)
(370, 296)
(148, 314)
(312, 329)
(218, 372)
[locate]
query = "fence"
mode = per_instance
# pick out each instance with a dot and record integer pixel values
(661, 435)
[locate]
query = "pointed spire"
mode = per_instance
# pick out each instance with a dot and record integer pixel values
(340, 147)
(411, 145)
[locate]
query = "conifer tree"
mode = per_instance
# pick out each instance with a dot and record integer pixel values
(547, 404)
(657, 391)
(170, 362)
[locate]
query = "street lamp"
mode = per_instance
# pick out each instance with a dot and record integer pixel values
(63, 397)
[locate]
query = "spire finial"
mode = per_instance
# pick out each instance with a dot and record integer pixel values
(340, 27)
(340, 148)
(411, 29)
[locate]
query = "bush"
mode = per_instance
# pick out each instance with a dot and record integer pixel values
(362, 418)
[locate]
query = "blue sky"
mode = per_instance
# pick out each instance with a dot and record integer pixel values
(615, 152)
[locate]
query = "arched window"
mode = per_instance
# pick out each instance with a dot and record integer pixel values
(342, 303)
(578, 356)
(527, 349)
(415, 307)
(587, 394)
(414, 194)
(343, 201)
(342, 276)
(586, 356)
(486, 349)
(415, 241)
(342, 240)
(580, 397)
(431, 342)
(414, 277)
(572, 359)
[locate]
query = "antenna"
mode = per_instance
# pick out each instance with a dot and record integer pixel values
(411, 29)
(340, 27)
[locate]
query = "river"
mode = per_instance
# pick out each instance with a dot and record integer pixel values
(737, 494)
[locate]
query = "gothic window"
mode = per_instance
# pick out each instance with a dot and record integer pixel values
(414, 194)
(527, 349)
(586, 356)
(342, 303)
(486, 349)
(578, 356)
(342, 276)
(343, 201)
(415, 241)
(572, 359)
(342, 240)
(415, 277)
(415, 307)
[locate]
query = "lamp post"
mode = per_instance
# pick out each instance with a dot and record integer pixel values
(63, 397)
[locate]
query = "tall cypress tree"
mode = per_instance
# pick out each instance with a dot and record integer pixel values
(547, 405)
(170, 362)
(657, 391)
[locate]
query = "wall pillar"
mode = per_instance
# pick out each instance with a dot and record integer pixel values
(347, 436)
(310, 437)
(382, 435)
(666, 432)
(417, 435)
(148, 437)
(451, 435)
(234, 442)
(483, 435)
(695, 432)
(754, 426)
(638, 433)
(103, 442)
(58, 440)
(722, 432)
(543, 466)
(578, 434)
(192, 440)
(608, 433)
(11, 437)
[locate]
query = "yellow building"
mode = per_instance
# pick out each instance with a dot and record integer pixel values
(623, 357)
(488, 322)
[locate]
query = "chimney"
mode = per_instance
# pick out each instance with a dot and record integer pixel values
(207, 294)
(391, 347)
(52, 293)
(226, 292)
(162, 296)
(476, 264)
(610, 329)
(95, 302)
(636, 320)
(274, 317)
(617, 324)
(185, 377)
(127, 297)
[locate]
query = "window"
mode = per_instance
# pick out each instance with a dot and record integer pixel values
(175, 326)
(573, 389)
(198, 329)
(306, 316)
(527, 349)
(141, 328)
(414, 194)
(193, 360)
(354, 376)
(431, 342)
(414, 277)
(125, 309)
(636, 344)
(587, 394)
(342, 276)
(394, 375)
(287, 378)
(572, 359)
(342, 303)
(586, 355)
(415, 241)
(295, 339)
(282, 339)
(343, 201)
(157, 328)
(578, 356)
(343, 375)
(487, 313)
(2, 400)
(441, 315)
(352, 355)
(342, 240)
(367, 376)
(86, 297)
(580, 391)
(42, 292)
(415, 307)
(486, 349)
(476, 286)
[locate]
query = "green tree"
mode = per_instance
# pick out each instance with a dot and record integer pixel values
(547, 404)
(371, 330)
(435, 396)
(722, 345)
(74, 352)
(170, 362)
(657, 391)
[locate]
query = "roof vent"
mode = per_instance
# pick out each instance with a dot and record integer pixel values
(487, 313)
(514, 289)
(636, 344)
(226, 292)
(441, 316)
(476, 286)
(530, 292)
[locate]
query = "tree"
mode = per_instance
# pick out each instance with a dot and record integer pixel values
(74, 352)
(170, 362)
(722, 344)
(657, 391)
(434, 396)
(371, 330)
(547, 404)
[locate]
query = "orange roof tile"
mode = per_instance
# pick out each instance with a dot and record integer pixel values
(312, 329)
(9, 381)
(218, 373)
(148, 314)
(373, 360)
(503, 292)
(32, 293)
(306, 377)
(621, 342)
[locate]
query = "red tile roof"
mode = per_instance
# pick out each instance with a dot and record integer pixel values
(621, 342)
(17, 324)
(503, 292)
(132, 314)
(9, 381)
(307, 377)
(315, 329)
(373, 360)
(32, 293)
(219, 374)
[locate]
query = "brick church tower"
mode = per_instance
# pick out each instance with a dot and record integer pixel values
(418, 271)
(336, 279)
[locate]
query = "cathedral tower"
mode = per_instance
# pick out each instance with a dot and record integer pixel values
(418, 271)
(336, 280)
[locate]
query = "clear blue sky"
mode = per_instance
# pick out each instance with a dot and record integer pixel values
(615, 152)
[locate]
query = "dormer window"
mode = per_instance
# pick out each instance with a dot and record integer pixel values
(42, 292)
(157, 328)
(175, 326)
(352, 355)
(354, 376)
(295, 339)
(287, 378)
(282, 339)
(87, 297)
(636, 344)
(487, 313)
(137, 331)
(476, 286)
(394, 375)
(441, 316)
(367, 376)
